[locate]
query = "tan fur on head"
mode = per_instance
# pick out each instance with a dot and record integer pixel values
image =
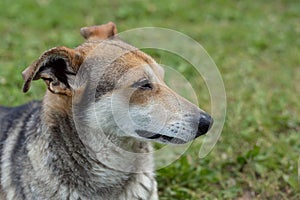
(99, 32)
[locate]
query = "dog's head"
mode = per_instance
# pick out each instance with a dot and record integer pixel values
(125, 89)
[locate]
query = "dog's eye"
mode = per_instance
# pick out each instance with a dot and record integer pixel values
(143, 85)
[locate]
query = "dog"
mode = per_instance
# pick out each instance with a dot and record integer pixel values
(90, 137)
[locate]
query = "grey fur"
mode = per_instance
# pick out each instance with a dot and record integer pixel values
(42, 162)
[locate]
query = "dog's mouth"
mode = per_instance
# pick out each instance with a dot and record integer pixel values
(159, 137)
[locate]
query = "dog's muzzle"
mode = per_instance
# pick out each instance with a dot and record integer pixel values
(205, 123)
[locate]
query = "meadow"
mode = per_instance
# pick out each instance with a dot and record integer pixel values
(256, 47)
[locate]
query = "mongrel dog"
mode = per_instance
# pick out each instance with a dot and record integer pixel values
(45, 154)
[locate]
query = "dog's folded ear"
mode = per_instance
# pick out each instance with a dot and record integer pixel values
(99, 32)
(55, 67)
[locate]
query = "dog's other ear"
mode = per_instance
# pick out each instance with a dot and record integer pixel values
(55, 67)
(99, 32)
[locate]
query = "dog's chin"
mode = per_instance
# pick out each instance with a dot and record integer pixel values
(159, 137)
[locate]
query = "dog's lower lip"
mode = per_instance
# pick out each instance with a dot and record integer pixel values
(155, 136)
(150, 135)
(147, 134)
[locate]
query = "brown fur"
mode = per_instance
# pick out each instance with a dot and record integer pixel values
(99, 32)
(56, 103)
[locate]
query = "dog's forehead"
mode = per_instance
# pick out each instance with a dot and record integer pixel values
(109, 61)
(115, 53)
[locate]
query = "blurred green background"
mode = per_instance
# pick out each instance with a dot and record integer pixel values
(256, 46)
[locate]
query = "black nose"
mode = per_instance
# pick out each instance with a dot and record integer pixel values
(205, 122)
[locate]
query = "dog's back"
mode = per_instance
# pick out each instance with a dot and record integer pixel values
(3, 113)
(9, 117)
(12, 138)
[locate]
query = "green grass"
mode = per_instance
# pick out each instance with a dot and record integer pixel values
(256, 46)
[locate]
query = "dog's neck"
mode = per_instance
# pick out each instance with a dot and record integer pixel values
(55, 104)
(123, 163)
